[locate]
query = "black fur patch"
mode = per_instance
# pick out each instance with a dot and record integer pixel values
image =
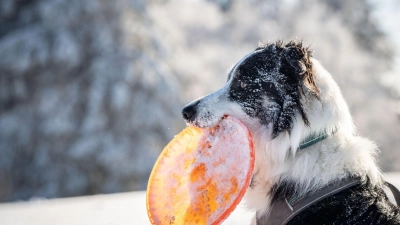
(268, 85)
(361, 204)
(286, 188)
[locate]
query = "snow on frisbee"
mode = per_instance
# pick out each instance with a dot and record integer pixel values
(201, 175)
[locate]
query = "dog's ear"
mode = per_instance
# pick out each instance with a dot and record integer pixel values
(297, 63)
(293, 57)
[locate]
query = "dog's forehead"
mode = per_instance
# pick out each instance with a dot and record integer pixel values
(234, 71)
(256, 63)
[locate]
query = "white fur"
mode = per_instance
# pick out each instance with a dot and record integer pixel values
(338, 156)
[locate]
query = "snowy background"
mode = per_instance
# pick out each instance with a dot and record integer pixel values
(91, 91)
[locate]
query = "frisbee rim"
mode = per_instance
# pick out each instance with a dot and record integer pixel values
(241, 192)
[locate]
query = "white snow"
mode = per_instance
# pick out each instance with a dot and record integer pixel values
(123, 208)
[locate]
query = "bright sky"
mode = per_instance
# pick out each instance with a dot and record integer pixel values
(387, 14)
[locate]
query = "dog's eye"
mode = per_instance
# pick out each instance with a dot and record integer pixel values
(242, 84)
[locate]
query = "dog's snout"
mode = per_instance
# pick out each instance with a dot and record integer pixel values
(189, 112)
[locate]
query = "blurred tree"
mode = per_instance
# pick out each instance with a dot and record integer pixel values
(83, 97)
(356, 15)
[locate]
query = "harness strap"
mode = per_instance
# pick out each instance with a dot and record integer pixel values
(283, 211)
(395, 192)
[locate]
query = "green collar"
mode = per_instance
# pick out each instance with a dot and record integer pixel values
(314, 138)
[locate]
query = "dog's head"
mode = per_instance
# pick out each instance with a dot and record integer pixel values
(284, 96)
(265, 87)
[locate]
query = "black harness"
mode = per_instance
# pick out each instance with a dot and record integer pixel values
(286, 208)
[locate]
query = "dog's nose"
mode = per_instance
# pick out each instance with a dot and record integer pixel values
(189, 111)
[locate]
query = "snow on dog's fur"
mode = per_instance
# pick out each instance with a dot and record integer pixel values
(284, 95)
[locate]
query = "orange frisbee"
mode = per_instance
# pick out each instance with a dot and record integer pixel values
(201, 175)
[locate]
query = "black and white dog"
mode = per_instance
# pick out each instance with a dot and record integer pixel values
(304, 138)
